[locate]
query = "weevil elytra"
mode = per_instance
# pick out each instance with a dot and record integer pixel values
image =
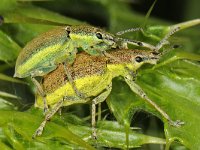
(93, 76)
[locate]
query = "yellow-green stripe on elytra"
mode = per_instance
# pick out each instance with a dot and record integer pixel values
(91, 74)
(47, 53)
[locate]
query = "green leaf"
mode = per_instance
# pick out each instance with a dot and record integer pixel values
(9, 49)
(7, 5)
(10, 79)
(19, 126)
(4, 94)
(5, 105)
(32, 21)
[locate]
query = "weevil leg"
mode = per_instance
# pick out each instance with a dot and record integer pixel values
(71, 81)
(137, 89)
(55, 109)
(48, 116)
(99, 112)
(94, 132)
(41, 92)
(97, 100)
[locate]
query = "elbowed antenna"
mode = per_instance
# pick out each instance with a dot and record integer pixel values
(164, 40)
(129, 30)
(136, 43)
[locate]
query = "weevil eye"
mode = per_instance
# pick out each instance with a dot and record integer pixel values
(140, 43)
(138, 59)
(99, 35)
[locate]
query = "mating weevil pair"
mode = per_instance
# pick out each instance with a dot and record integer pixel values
(43, 54)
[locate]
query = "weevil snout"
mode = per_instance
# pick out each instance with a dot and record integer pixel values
(109, 40)
(154, 57)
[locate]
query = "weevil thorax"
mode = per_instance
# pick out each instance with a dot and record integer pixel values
(133, 59)
(89, 38)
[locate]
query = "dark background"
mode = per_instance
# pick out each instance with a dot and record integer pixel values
(168, 10)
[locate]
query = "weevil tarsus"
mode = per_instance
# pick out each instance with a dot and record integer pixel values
(138, 90)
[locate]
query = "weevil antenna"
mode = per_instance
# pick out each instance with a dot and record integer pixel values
(135, 42)
(129, 30)
(164, 40)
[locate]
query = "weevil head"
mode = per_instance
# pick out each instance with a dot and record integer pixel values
(140, 57)
(90, 38)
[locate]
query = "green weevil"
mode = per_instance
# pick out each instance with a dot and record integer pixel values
(93, 76)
